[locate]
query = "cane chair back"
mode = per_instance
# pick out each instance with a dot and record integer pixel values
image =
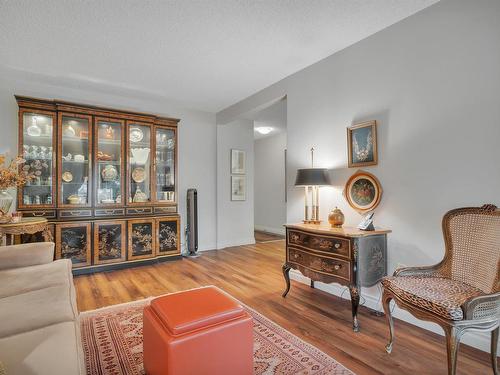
(472, 239)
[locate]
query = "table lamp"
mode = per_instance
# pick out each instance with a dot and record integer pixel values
(312, 178)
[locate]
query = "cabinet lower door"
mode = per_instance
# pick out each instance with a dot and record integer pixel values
(73, 241)
(168, 230)
(109, 242)
(141, 239)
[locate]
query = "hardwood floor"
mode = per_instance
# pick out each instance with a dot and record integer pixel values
(261, 237)
(252, 274)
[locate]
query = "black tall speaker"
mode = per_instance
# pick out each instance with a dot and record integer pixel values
(192, 222)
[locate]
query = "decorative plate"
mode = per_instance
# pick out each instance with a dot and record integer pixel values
(170, 143)
(139, 174)
(136, 135)
(363, 191)
(109, 173)
(34, 130)
(67, 176)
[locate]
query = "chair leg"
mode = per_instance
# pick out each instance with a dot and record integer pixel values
(453, 335)
(386, 300)
(494, 345)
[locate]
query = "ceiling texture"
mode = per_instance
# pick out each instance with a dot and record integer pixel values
(205, 54)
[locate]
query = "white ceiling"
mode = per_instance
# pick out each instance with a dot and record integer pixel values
(206, 54)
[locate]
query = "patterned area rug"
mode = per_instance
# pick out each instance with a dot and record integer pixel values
(112, 344)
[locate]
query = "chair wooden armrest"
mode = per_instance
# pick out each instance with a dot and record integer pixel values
(486, 306)
(424, 271)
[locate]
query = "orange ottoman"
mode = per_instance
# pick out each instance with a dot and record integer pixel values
(197, 332)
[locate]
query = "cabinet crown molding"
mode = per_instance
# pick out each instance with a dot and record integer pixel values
(64, 106)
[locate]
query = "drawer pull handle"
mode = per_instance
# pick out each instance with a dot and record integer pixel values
(337, 245)
(75, 213)
(337, 267)
(139, 210)
(38, 214)
(109, 212)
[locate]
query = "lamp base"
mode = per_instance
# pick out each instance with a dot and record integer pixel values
(311, 221)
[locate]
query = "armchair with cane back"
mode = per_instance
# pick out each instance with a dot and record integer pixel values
(460, 293)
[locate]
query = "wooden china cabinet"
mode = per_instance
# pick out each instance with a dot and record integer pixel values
(105, 179)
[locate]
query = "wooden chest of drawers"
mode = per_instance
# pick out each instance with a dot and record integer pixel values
(347, 256)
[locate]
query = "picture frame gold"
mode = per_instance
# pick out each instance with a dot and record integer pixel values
(363, 191)
(362, 148)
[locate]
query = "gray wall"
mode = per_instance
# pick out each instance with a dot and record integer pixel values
(432, 82)
(197, 135)
(269, 205)
(234, 218)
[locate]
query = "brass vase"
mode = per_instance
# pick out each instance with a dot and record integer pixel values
(336, 218)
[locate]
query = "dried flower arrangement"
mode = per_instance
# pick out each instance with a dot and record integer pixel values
(13, 176)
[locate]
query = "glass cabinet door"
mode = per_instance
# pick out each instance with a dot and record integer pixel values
(109, 167)
(74, 160)
(165, 165)
(139, 171)
(37, 142)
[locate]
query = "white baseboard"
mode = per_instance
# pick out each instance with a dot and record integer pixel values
(479, 340)
(231, 243)
(207, 247)
(263, 228)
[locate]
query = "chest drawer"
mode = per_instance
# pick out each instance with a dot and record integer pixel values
(326, 265)
(67, 214)
(109, 212)
(328, 244)
(166, 210)
(140, 211)
(49, 214)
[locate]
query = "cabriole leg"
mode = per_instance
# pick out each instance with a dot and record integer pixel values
(355, 295)
(386, 300)
(453, 335)
(286, 275)
(494, 347)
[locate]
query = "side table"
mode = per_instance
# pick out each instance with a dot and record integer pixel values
(27, 225)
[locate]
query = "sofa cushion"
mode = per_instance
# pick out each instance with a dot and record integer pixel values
(37, 309)
(25, 279)
(52, 350)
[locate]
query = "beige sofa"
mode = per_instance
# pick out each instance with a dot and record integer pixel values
(39, 328)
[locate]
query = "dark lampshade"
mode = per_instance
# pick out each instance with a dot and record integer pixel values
(312, 177)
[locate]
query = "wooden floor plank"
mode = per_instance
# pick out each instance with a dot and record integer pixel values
(253, 275)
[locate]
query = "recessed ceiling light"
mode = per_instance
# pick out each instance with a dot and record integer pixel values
(264, 129)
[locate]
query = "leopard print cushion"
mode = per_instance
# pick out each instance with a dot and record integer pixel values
(440, 296)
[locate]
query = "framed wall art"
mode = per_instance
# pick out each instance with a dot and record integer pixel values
(363, 191)
(238, 188)
(238, 162)
(362, 144)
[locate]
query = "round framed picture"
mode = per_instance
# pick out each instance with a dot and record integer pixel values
(363, 191)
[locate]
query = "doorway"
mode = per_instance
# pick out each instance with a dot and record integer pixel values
(270, 140)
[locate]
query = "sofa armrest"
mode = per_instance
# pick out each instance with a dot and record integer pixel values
(25, 255)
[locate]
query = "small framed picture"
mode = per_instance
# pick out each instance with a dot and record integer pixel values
(238, 162)
(362, 144)
(238, 188)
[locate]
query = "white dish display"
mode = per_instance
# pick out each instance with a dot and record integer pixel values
(140, 155)
(136, 135)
